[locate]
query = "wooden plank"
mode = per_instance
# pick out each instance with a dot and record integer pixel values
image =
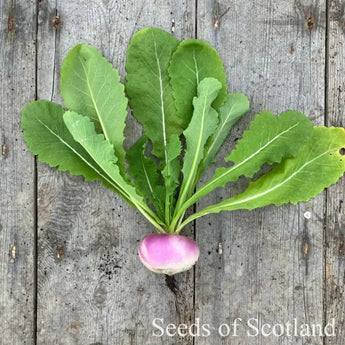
(335, 231)
(92, 289)
(17, 171)
(270, 265)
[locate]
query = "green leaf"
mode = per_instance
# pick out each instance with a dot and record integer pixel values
(171, 173)
(193, 61)
(83, 132)
(235, 106)
(148, 87)
(202, 125)
(269, 139)
(102, 152)
(91, 86)
(319, 164)
(146, 175)
(48, 137)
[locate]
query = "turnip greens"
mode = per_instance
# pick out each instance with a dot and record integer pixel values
(177, 91)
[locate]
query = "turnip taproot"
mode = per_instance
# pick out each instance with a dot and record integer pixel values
(168, 253)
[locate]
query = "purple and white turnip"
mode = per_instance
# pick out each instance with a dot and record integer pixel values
(178, 92)
(168, 253)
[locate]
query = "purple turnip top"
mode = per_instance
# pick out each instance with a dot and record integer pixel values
(168, 253)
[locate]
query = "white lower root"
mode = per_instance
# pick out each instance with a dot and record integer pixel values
(168, 253)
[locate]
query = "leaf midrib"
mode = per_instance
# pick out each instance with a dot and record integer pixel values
(280, 184)
(196, 67)
(217, 208)
(79, 155)
(190, 177)
(93, 99)
(236, 166)
(147, 177)
(162, 102)
(220, 130)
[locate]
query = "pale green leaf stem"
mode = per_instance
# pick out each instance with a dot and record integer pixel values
(171, 173)
(83, 132)
(269, 139)
(146, 175)
(235, 106)
(319, 164)
(47, 136)
(201, 127)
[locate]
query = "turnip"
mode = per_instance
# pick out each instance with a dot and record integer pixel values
(168, 253)
(178, 92)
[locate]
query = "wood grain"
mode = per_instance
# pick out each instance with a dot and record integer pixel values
(92, 289)
(17, 203)
(335, 226)
(270, 265)
(274, 264)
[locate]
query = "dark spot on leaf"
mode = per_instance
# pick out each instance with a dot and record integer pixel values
(342, 151)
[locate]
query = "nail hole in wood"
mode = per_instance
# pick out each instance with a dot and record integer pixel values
(56, 23)
(310, 23)
(59, 252)
(4, 150)
(11, 22)
(305, 248)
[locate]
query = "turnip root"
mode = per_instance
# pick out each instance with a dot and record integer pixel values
(168, 253)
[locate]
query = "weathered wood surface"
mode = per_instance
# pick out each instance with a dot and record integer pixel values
(89, 275)
(335, 218)
(90, 288)
(271, 263)
(17, 175)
